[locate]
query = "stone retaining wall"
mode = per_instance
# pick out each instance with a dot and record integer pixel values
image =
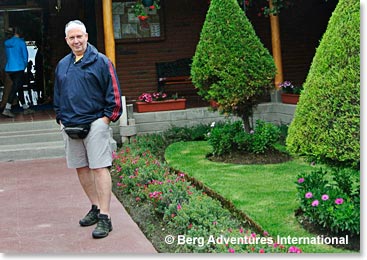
(153, 122)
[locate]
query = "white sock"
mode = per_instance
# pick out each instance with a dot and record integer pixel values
(8, 106)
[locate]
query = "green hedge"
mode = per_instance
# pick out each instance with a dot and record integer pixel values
(326, 125)
(231, 65)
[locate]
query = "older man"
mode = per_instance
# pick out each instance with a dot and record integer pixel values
(87, 98)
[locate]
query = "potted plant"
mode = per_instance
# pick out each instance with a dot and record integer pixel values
(159, 101)
(141, 8)
(290, 93)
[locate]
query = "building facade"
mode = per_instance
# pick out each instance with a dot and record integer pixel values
(171, 34)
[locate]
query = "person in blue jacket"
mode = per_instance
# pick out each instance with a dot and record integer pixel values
(16, 62)
(87, 93)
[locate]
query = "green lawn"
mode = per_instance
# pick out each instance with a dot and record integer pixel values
(266, 193)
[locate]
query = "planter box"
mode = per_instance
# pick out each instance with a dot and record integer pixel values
(290, 98)
(164, 105)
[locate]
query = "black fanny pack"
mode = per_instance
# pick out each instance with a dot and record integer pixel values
(77, 131)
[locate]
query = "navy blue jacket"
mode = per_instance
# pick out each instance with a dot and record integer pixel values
(86, 90)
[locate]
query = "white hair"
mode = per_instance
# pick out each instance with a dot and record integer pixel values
(75, 24)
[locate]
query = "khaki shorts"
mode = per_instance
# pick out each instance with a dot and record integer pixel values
(93, 151)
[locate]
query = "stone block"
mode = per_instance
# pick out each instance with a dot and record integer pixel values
(129, 130)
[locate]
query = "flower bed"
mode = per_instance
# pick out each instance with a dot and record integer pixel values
(331, 203)
(182, 210)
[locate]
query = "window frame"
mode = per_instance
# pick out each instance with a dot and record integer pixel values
(140, 39)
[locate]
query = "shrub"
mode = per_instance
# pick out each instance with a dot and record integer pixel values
(222, 137)
(326, 125)
(331, 202)
(231, 65)
(263, 138)
(230, 137)
(193, 133)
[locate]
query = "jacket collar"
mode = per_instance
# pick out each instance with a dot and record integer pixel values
(90, 55)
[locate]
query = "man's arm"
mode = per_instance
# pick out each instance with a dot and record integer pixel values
(113, 109)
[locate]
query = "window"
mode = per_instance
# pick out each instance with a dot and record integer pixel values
(128, 28)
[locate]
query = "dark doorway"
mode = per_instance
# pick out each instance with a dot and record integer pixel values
(30, 23)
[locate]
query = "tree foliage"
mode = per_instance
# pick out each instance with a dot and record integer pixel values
(326, 125)
(231, 65)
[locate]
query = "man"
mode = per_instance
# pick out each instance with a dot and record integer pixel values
(16, 62)
(87, 92)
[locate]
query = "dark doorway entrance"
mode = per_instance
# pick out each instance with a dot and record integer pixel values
(30, 23)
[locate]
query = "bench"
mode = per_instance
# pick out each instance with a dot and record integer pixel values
(173, 73)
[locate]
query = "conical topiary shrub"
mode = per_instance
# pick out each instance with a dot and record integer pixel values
(326, 125)
(231, 65)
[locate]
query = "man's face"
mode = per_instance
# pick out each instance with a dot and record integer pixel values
(77, 41)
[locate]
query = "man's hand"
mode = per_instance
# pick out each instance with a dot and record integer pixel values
(106, 120)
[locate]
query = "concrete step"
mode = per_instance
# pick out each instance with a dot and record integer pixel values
(28, 126)
(28, 151)
(30, 140)
(23, 137)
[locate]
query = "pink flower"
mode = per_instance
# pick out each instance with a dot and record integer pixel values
(266, 233)
(114, 155)
(231, 250)
(308, 195)
(339, 201)
(179, 206)
(262, 250)
(300, 180)
(325, 197)
(294, 249)
(315, 203)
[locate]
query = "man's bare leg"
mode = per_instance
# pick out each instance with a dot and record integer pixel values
(87, 180)
(103, 184)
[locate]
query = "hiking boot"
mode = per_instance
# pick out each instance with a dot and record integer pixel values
(28, 111)
(8, 113)
(91, 218)
(104, 226)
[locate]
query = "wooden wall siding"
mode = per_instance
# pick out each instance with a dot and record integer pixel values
(301, 30)
(300, 35)
(135, 62)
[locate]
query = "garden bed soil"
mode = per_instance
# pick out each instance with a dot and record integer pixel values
(269, 157)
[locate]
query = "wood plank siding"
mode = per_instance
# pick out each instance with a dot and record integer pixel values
(301, 28)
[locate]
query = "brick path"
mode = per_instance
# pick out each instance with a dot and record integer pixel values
(41, 204)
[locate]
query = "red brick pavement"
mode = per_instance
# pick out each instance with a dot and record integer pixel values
(41, 204)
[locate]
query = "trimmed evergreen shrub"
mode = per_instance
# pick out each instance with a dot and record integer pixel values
(231, 65)
(326, 125)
